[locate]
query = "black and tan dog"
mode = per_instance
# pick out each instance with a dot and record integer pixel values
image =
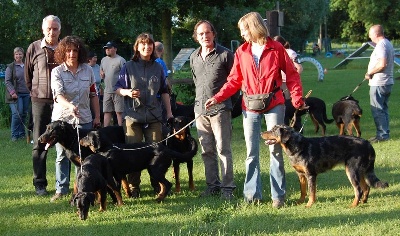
(181, 142)
(316, 110)
(312, 156)
(347, 113)
(94, 177)
(129, 158)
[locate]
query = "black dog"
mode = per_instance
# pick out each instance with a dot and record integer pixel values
(128, 158)
(94, 176)
(312, 156)
(66, 134)
(181, 142)
(316, 110)
(347, 113)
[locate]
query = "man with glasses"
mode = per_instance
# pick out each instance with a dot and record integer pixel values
(39, 62)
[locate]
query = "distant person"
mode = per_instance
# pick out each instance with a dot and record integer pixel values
(293, 56)
(21, 99)
(159, 50)
(39, 63)
(140, 82)
(92, 61)
(380, 76)
(74, 90)
(256, 70)
(110, 68)
(213, 127)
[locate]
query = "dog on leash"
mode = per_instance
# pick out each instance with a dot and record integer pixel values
(133, 157)
(316, 110)
(312, 156)
(181, 142)
(94, 177)
(347, 113)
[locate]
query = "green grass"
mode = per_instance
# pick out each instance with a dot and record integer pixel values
(23, 213)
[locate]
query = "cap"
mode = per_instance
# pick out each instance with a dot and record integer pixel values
(110, 45)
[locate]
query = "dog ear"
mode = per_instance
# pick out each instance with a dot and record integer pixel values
(91, 197)
(285, 133)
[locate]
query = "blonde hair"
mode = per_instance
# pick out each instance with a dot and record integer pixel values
(18, 49)
(254, 24)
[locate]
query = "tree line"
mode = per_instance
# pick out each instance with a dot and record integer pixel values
(172, 21)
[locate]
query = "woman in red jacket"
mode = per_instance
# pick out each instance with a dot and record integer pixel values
(257, 71)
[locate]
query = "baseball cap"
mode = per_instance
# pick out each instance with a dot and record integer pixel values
(91, 54)
(110, 45)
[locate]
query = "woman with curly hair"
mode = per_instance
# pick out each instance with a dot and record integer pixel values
(74, 92)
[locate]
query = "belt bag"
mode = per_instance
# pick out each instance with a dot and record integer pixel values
(259, 102)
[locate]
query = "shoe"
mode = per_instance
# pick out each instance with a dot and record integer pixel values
(254, 201)
(278, 203)
(41, 191)
(210, 192)
(14, 139)
(377, 140)
(227, 196)
(56, 197)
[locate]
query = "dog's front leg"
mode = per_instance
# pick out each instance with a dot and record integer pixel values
(312, 189)
(303, 188)
(190, 172)
(176, 177)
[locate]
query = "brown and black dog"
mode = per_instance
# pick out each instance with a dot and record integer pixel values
(181, 142)
(129, 158)
(312, 156)
(316, 110)
(347, 113)
(94, 177)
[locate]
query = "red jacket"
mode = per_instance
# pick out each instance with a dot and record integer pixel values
(252, 80)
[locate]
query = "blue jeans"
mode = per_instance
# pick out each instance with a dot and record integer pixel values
(19, 111)
(63, 165)
(252, 129)
(379, 97)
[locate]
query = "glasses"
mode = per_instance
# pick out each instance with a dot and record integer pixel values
(204, 33)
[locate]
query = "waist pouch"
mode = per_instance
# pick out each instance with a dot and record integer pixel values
(259, 102)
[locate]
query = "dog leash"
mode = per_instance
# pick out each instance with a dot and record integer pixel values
(355, 89)
(76, 123)
(295, 112)
(155, 143)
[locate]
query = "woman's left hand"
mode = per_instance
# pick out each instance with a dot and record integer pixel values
(96, 122)
(75, 112)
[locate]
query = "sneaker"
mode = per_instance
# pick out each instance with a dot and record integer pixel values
(41, 191)
(14, 139)
(227, 196)
(56, 197)
(377, 140)
(254, 201)
(210, 192)
(278, 203)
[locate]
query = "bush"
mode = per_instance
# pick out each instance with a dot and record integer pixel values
(5, 112)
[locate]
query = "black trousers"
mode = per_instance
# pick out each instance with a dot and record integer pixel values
(41, 113)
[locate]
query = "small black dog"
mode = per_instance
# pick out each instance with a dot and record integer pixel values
(128, 158)
(316, 110)
(347, 113)
(181, 142)
(312, 156)
(94, 176)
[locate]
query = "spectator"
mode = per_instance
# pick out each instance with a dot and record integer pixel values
(92, 61)
(74, 90)
(39, 63)
(109, 70)
(214, 133)
(380, 76)
(16, 87)
(140, 80)
(256, 70)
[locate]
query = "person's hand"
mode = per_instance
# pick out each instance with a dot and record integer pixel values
(368, 76)
(75, 111)
(14, 96)
(210, 102)
(135, 93)
(96, 122)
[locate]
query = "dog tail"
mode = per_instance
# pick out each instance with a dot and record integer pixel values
(370, 177)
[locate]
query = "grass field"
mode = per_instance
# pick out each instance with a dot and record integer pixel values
(23, 213)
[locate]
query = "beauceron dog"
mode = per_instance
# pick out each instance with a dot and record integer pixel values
(347, 113)
(316, 110)
(128, 158)
(94, 178)
(66, 134)
(181, 142)
(312, 156)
